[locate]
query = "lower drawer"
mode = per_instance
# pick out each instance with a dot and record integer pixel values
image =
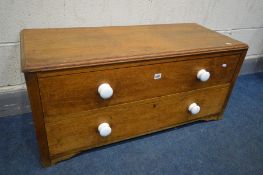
(79, 131)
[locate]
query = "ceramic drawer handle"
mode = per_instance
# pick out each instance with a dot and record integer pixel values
(203, 75)
(105, 91)
(104, 129)
(194, 108)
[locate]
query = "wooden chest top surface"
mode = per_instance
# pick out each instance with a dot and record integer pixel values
(53, 49)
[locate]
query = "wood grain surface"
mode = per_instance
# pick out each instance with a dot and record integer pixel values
(53, 49)
(64, 67)
(72, 93)
(38, 117)
(77, 131)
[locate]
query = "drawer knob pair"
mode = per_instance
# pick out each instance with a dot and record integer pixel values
(203, 75)
(104, 129)
(105, 91)
(194, 108)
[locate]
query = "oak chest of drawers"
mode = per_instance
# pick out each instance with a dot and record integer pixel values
(94, 86)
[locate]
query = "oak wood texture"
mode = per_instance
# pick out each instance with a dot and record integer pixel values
(67, 155)
(64, 67)
(79, 92)
(71, 132)
(238, 67)
(52, 49)
(38, 117)
(52, 73)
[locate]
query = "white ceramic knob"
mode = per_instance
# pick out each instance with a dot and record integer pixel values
(194, 108)
(104, 129)
(105, 91)
(203, 75)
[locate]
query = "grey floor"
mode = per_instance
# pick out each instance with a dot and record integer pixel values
(233, 145)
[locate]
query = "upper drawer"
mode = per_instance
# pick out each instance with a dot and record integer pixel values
(79, 92)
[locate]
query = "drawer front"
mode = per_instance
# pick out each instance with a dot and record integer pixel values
(66, 94)
(79, 131)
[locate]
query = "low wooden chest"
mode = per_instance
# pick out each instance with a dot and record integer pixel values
(90, 87)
